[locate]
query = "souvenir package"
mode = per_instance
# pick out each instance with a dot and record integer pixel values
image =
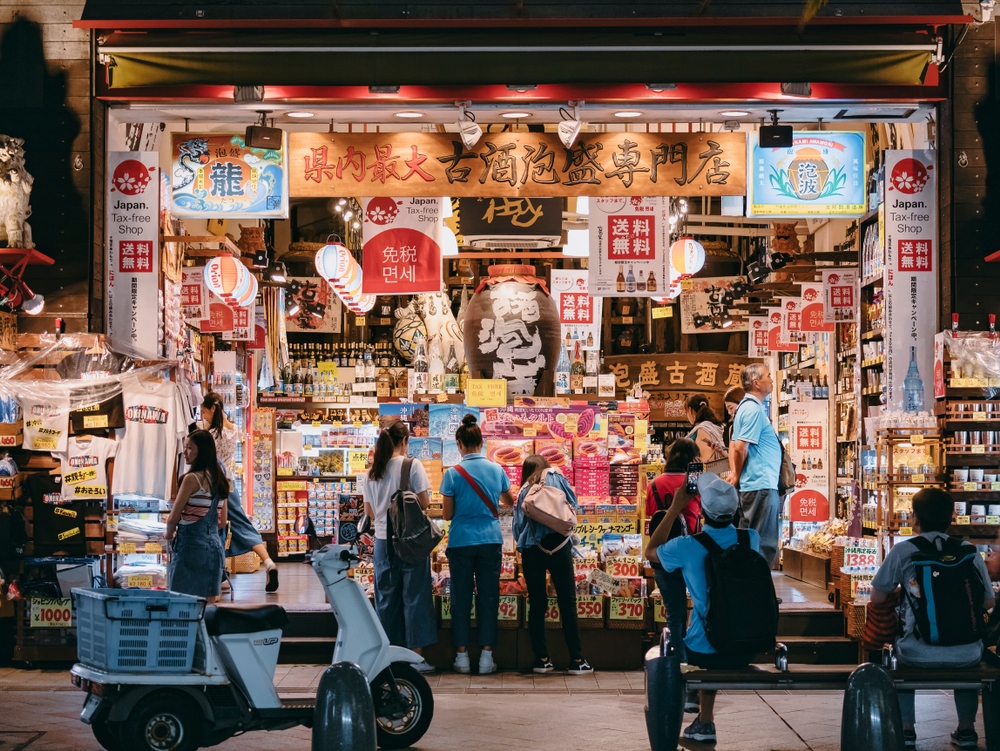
(626, 456)
(587, 448)
(558, 452)
(510, 454)
(612, 546)
(621, 431)
(633, 546)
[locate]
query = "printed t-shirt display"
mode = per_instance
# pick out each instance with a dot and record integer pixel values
(96, 415)
(46, 423)
(84, 467)
(154, 424)
(96, 365)
(58, 525)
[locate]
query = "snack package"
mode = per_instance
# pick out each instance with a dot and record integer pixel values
(626, 455)
(508, 568)
(633, 546)
(559, 454)
(587, 448)
(510, 454)
(612, 546)
(621, 431)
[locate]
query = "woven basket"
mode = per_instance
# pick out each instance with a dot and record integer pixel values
(856, 615)
(248, 563)
(836, 562)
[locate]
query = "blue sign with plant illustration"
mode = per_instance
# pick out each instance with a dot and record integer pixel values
(821, 174)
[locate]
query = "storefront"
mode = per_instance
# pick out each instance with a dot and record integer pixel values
(567, 261)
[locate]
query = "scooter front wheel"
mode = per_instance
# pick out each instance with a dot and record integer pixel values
(407, 730)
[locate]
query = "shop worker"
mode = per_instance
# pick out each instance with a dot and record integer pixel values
(957, 589)
(720, 508)
(755, 461)
(471, 492)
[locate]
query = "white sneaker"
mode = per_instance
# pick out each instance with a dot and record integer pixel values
(424, 667)
(462, 662)
(486, 664)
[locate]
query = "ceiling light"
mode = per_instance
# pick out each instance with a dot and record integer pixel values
(383, 89)
(515, 115)
(734, 113)
(726, 321)
(301, 113)
(661, 86)
(803, 90)
(628, 113)
(410, 114)
(522, 87)
(577, 243)
(569, 127)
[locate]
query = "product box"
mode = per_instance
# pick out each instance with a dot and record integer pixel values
(626, 455)
(558, 451)
(621, 431)
(510, 454)
(587, 449)
(426, 449)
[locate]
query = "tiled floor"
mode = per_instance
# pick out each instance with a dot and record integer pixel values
(497, 713)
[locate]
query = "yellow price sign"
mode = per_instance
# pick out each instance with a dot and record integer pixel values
(687, 285)
(906, 531)
(336, 424)
(285, 472)
(659, 611)
(307, 447)
(552, 614)
(995, 486)
(328, 367)
(59, 511)
(357, 461)
(317, 423)
(627, 609)
(144, 581)
(358, 424)
(80, 475)
(963, 520)
(68, 533)
(530, 432)
(126, 548)
(978, 449)
(508, 608)
(917, 478)
(970, 487)
(979, 417)
(916, 439)
(486, 392)
(590, 606)
(666, 311)
(993, 520)
(152, 547)
(43, 443)
(90, 422)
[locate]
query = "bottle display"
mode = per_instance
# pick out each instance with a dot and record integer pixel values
(421, 371)
(562, 372)
(451, 377)
(577, 371)
(913, 386)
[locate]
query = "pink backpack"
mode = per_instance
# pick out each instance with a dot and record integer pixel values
(549, 506)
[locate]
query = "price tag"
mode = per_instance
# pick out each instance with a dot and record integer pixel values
(687, 285)
(43, 443)
(365, 576)
(994, 381)
(624, 568)
(917, 478)
(993, 519)
(357, 461)
(145, 581)
(916, 440)
(659, 611)
(855, 556)
(508, 608)
(486, 392)
(572, 423)
(328, 367)
(970, 487)
(589, 606)
(979, 417)
(963, 520)
(627, 609)
(336, 424)
(551, 611)
(530, 432)
(126, 548)
(978, 449)
(95, 421)
(285, 472)
(307, 447)
(857, 579)
(153, 547)
(995, 486)
(665, 311)
(358, 424)
(51, 612)
(317, 424)
(906, 531)
(446, 608)
(627, 320)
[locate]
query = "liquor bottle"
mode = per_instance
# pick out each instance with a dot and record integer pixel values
(575, 335)
(421, 367)
(913, 386)
(451, 377)
(590, 338)
(562, 372)
(620, 281)
(463, 376)
(954, 325)
(819, 463)
(826, 388)
(369, 367)
(651, 282)
(383, 382)
(993, 326)
(307, 381)
(569, 339)
(590, 379)
(630, 281)
(436, 366)
(641, 284)
(577, 371)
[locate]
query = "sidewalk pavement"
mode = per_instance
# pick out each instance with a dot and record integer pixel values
(39, 711)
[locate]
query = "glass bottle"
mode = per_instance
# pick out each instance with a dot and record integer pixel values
(436, 367)
(641, 284)
(577, 371)
(383, 382)
(421, 367)
(620, 281)
(463, 376)
(630, 281)
(369, 367)
(451, 377)
(590, 379)
(590, 338)
(913, 386)
(651, 282)
(562, 372)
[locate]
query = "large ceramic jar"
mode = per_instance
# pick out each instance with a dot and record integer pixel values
(512, 331)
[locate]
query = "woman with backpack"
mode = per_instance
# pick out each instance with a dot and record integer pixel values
(404, 597)
(707, 430)
(544, 549)
(470, 493)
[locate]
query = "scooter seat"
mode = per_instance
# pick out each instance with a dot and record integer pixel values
(220, 621)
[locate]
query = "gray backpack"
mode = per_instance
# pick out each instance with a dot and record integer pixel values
(412, 536)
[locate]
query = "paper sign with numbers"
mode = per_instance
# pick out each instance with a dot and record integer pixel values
(508, 608)
(627, 609)
(590, 606)
(551, 611)
(860, 556)
(47, 612)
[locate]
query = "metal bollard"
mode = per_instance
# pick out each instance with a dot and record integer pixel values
(871, 718)
(344, 718)
(664, 695)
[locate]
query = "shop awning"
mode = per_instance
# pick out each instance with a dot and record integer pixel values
(870, 55)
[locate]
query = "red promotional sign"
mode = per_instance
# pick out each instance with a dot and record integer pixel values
(575, 307)
(812, 307)
(220, 319)
(809, 437)
(914, 255)
(810, 506)
(774, 335)
(632, 238)
(402, 254)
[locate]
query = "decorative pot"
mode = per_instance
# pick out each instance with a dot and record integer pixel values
(512, 331)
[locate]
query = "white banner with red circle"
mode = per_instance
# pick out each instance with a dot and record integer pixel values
(809, 430)
(402, 255)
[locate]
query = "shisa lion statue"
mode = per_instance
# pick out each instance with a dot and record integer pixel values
(15, 194)
(428, 315)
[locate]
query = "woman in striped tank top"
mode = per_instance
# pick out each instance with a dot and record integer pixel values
(197, 557)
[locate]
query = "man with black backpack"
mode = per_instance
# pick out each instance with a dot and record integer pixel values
(734, 608)
(946, 592)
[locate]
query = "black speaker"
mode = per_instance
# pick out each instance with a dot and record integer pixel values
(775, 136)
(260, 137)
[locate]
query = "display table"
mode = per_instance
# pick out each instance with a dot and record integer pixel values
(811, 568)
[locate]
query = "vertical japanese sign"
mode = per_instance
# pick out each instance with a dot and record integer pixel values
(791, 321)
(840, 294)
(402, 252)
(759, 328)
(809, 427)
(194, 293)
(242, 330)
(579, 311)
(216, 174)
(911, 277)
(821, 174)
(774, 342)
(629, 256)
(814, 309)
(706, 303)
(132, 250)
(317, 309)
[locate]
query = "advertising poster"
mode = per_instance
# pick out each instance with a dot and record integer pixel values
(774, 342)
(809, 431)
(759, 328)
(402, 254)
(242, 330)
(791, 320)
(319, 310)
(629, 253)
(133, 255)
(220, 318)
(814, 309)
(259, 340)
(840, 291)
(194, 293)
(579, 311)
(911, 302)
(704, 303)
(822, 174)
(213, 174)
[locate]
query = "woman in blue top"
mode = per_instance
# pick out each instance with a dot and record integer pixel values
(470, 493)
(544, 549)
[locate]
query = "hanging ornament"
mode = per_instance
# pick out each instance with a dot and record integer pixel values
(687, 257)
(228, 279)
(337, 265)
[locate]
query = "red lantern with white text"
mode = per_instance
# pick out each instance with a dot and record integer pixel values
(228, 279)
(687, 257)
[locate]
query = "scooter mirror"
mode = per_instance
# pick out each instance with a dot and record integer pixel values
(364, 525)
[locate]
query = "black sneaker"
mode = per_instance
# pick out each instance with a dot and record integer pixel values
(965, 739)
(909, 738)
(543, 665)
(580, 667)
(703, 732)
(692, 702)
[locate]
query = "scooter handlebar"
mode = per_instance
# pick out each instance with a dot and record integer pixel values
(347, 555)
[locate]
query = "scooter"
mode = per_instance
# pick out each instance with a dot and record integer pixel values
(231, 687)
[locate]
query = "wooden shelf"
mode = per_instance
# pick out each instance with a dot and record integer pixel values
(222, 245)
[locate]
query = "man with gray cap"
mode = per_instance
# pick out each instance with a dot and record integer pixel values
(720, 507)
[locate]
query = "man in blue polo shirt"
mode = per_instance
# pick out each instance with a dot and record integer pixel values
(755, 461)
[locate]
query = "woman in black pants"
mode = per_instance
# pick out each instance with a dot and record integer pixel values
(544, 550)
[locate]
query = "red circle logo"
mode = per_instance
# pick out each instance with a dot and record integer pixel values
(131, 177)
(834, 278)
(382, 211)
(909, 176)
(810, 295)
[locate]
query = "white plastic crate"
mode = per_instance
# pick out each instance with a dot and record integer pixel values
(137, 630)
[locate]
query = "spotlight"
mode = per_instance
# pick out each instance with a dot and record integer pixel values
(700, 321)
(780, 260)
(726, 321)
(33, 302)
(294, 310)
(757, 272)
(315, 310)
(570, 126)
(278, 272)
(259, 259)
(469, 131)
(248, 94)
(383, 89)
(728, 299)
(739, 289)
(658, 87)
(522, 87)
(801, 90)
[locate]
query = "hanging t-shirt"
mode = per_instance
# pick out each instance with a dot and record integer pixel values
(58, 526)
(81, 365)
(84, 467)
(46, 424)
(154, 425)
(104, 415)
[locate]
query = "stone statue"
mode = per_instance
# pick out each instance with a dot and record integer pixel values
(15, 194)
